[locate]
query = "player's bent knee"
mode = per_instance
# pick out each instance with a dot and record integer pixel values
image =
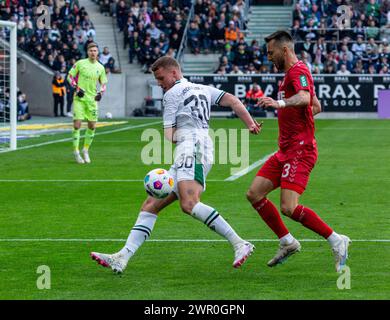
(254, 197)
(287, 210)
(150, 206)
(187, 206)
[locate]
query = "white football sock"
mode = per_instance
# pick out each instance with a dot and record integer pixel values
(141, 231)
(334, 239)
(211, 218)
(287, 239)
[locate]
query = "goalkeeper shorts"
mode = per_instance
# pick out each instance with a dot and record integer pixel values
(85, 110)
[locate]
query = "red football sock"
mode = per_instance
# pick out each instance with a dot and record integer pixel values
(311, 221)
(271, 216)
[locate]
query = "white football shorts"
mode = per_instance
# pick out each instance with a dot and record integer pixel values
(192, 161)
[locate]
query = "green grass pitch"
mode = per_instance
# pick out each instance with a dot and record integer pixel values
(349, 188)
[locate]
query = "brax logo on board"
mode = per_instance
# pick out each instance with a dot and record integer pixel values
(220, 79)
(341, 79)
(268, 79)
(365, 79)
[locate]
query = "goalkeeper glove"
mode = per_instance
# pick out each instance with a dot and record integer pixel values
(98, 97)
(80, 92)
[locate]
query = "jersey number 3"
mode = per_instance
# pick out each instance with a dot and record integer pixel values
(286, 170)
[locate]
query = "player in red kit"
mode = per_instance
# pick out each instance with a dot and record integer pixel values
(289, 168)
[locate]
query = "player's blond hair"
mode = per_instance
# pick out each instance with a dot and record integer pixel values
(165, 62)
(92, 45)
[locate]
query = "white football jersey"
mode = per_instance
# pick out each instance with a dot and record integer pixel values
(187, 105)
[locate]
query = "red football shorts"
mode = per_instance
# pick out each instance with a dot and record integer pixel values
(290, 169)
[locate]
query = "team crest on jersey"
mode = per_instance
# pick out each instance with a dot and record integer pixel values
(303, 80)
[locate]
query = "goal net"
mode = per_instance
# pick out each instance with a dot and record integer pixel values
(8, 73)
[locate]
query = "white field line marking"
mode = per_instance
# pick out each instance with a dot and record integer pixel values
(169, 240)
(70, 139)
(249, 169)
(95, 180)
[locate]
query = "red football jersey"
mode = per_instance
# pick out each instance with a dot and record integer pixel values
(296, 124)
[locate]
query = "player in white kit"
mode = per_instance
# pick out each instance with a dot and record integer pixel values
(186, 115)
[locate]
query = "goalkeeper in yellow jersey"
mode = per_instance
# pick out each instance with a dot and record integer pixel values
(87, 75)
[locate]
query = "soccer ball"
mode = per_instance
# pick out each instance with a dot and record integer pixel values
(108, 115)
(158, 183)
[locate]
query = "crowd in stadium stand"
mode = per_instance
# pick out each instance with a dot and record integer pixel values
(59, 46)
(362, 48)
(154, 28)
(151, 29)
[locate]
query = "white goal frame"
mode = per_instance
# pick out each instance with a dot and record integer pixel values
(13, 81)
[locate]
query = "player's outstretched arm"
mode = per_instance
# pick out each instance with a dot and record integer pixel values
(229, 100)
(301, 99)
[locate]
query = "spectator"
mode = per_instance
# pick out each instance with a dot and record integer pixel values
(372, 9)
(236, 70)
(229, 53)
(134, 47)
(329, 68)
(70, 90)
(207, 37)
(110, 66)
(241, 58)
(252, 96)
(305, 60)
(383, 45)
(251, 69)
(384, 70)
(306, 46)
(175, 41)
(154, 31)
(224, 62)
(163, 43)
(58, 88)
(371, 45)
(104, 56)
(359, 47)
(371, 69)
(221, 70)
(145, 56)
(343, 70)
(359, 29)
(121, 14)
(218, 36)
(23, 112)
(372, 31)
(194, 35)
(344, 61)
(232, 33)
(346, 52)
(359, 67)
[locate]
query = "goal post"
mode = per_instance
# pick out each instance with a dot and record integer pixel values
(8, 85)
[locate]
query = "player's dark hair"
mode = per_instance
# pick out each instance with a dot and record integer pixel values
(280, 36)
(92, 45)
(165, 62)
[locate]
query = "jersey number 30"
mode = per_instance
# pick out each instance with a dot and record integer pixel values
(202, 112)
